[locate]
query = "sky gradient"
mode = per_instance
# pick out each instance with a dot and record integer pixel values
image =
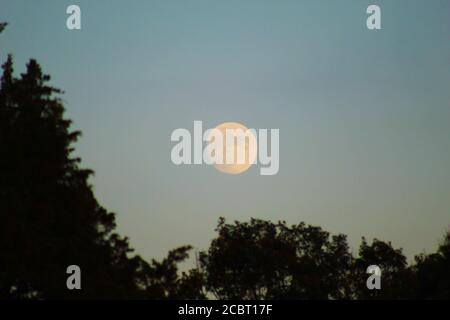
(364, 116)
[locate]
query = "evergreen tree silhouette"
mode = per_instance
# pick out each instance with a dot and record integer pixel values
(50, 217)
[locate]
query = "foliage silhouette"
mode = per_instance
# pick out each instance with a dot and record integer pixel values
(50, 219)
(2, 26)
(262, 260)
(433, 273)
(397, 277)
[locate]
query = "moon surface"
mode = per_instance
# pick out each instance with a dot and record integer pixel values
(249, 143)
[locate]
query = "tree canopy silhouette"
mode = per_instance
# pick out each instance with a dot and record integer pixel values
(50, 216)
(432, 272)
(263, 260)
(50, 219)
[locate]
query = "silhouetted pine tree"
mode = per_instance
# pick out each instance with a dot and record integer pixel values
(49, 216)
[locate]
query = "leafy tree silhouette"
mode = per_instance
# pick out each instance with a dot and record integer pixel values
(433, 273)
(162, 280)
(397, 277)
(263, 260)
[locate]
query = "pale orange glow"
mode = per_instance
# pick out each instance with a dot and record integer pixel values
(230, 148)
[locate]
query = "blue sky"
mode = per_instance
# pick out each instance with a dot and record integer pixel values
(363, 115)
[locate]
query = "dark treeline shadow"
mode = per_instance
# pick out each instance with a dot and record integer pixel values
(50, 219)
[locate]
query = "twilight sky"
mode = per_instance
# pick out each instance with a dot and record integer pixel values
(364, 116)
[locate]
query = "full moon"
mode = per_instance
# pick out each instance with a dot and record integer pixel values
(249, 144)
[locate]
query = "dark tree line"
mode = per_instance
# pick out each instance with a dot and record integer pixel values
(264, 260)
(50, 219)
